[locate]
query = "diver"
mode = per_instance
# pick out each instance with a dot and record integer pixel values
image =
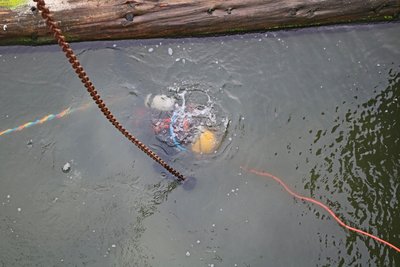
(185, 122)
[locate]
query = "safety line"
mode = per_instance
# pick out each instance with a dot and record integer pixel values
(172, 133)
(341, 223)
(38, 121)
(44, 119)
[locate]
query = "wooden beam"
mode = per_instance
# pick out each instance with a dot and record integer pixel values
(83, 20)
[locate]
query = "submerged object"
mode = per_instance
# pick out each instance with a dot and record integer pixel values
(188, 120)
(160, 102)
(205, 143)
(66, 168)
(189, 183)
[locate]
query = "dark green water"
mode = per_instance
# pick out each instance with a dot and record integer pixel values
(318, 107)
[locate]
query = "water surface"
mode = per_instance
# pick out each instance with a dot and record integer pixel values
(317, 107)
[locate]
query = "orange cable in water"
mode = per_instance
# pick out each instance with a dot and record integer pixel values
(278, 180)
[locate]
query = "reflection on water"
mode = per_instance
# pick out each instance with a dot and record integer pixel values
(361, 160)
(318, 107)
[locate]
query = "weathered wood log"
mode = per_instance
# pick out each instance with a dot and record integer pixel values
(83, 20)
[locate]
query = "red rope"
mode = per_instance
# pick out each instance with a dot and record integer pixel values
(279, 181)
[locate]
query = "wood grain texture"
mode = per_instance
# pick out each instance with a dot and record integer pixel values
(83, 20)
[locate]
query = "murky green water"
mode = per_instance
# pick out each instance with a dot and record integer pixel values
(319, 108)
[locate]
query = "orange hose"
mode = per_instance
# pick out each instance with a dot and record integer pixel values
(278, 180)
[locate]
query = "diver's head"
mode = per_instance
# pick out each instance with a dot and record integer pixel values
(159, 102)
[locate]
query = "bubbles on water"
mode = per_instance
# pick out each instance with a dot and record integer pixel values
(170, 51)
(196, 115)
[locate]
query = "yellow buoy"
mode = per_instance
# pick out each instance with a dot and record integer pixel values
(205, 143)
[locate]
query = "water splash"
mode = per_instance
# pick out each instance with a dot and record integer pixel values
(194, 112)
